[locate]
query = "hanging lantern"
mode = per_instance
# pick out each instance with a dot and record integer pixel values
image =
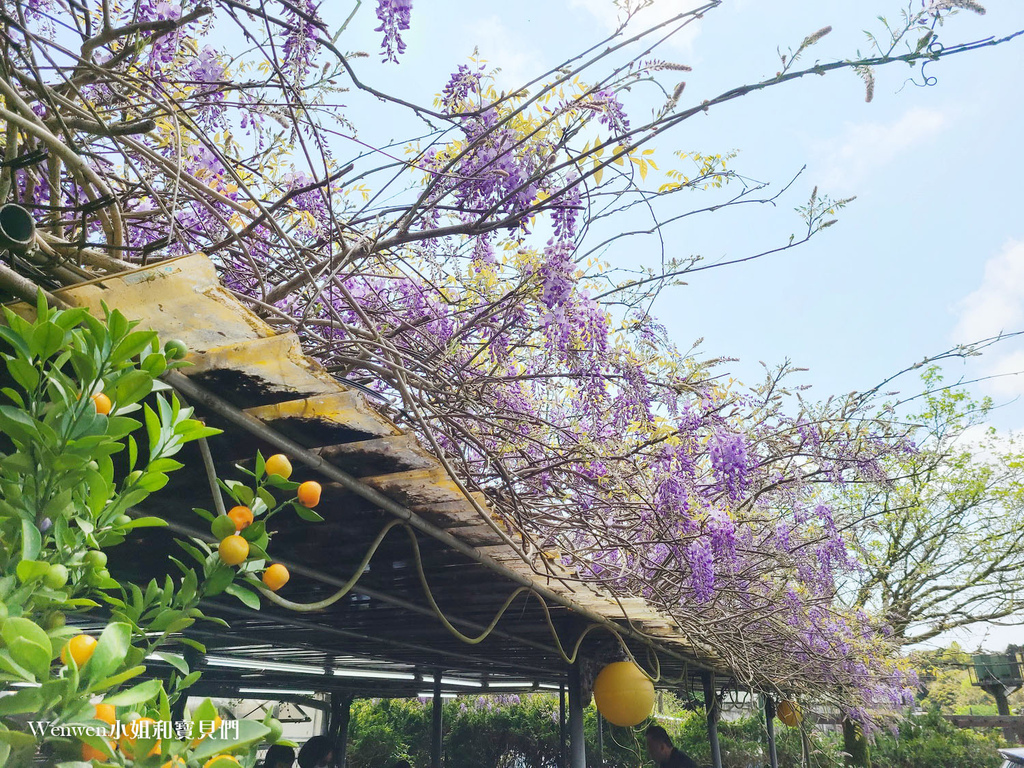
(624, 695)
(789, 713)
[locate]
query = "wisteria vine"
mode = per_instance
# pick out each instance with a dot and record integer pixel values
(460, 280)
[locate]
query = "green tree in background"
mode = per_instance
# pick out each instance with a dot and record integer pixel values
(943, 546)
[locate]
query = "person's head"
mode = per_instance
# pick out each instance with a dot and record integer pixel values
(316, 753)
(279, 756)
(659, 743)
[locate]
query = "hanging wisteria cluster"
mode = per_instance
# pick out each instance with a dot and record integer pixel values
(458, 278)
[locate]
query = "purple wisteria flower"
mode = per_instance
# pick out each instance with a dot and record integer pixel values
(394, 19)
(462, 83)
(300, 44)
(729, 460)
(610, 112)
(702, 569)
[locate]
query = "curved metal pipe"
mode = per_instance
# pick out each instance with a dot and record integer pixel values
(17, 228)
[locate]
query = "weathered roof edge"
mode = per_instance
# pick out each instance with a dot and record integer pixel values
(171, 295)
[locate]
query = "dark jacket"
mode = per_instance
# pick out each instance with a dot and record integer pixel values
(679, 760)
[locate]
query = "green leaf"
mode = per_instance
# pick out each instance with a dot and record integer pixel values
(18, 424)
(176, 661)
(120, 426)
(46, 339)
(25, 700)
(110, 651)
(306, 513)
(83, 365)
(133, 453)
(115, 680)
(253, 532)
(205, 712)
(194, 644)
(17, 628)
(14, 396)
(276, 481)
(152, 481)
(97, 742)
(132, 387)
(31, 655)
(219, 581)
(197, 554)
(131, 345)
(248, 598)
(16, 738)
(146, 522)
(81, 602)
(249, 732)
(188, 680)
(28, 570)
(117, 323)
(187, 590)
(242, 493)
(31, 539)
(69, 318)
(205, 514)
(15, 339)
(9, 664)
(154, 364)
(164, 465)
(23, 372)
(138, 694)
(152, 427)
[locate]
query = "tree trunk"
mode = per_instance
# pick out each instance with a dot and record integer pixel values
(855, 745)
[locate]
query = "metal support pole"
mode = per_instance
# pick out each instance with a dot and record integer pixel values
(769, 718)
(577, 737)
(563, 751)
(436, 724)
(600, 741)
(341, 714)
(711, 708)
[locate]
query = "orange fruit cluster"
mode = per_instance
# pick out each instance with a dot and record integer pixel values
(275, 577)
(80, 648)
(309, 493)
(102, 403)
(279, 465)
(242, 516)
(233, 549)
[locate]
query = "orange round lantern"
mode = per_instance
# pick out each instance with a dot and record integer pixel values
(789, 713)
(624, 695)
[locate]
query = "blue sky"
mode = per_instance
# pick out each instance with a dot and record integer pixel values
(931, 254)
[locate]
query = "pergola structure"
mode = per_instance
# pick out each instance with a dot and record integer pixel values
(441, 602)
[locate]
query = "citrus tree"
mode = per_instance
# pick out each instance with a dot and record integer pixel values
(89, 432)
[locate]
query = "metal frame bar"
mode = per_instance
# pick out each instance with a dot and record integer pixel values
(577, 737)
(436, 724)
(350, 635)
(712, 711)
(769, 719)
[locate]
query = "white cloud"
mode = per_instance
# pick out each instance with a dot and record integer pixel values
(864, 147)
(519, 62)
(997, 306)
(1007, 372)
(611, 13)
